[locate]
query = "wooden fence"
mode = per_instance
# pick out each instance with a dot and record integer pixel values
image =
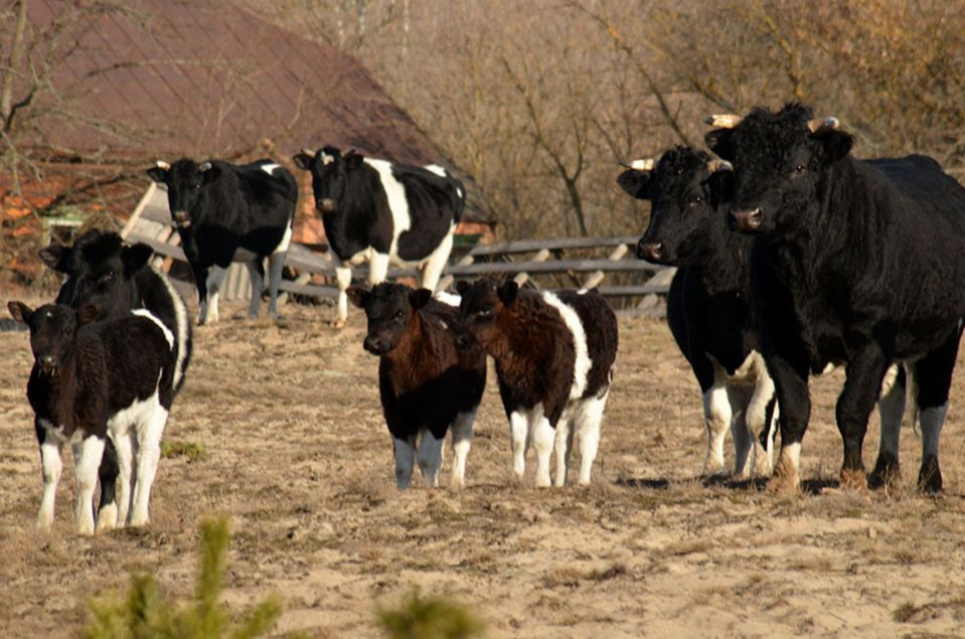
(607, 263)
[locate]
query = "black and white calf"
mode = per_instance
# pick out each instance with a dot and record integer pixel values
(427, 384)
(856, 262)
(92, 380)
(231, 213)
(554, 355)
(382, 213)
(709, 308)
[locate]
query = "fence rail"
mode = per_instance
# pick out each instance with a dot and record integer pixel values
(640, 286)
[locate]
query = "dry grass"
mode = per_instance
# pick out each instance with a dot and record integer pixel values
(280, 428)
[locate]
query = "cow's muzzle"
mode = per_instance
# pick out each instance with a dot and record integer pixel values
(181, 218)
(326, 205)
(652, 251)
(376, 345)
(48, 365)
(746, 220)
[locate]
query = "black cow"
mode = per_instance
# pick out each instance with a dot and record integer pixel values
(426, 383)
(709, 309)
(381, 212)
(90, 380)
(229, 213)
(858, 262)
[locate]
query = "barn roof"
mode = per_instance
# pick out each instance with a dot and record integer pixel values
(201, 78)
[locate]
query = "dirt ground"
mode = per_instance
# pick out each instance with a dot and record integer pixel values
(297, 454)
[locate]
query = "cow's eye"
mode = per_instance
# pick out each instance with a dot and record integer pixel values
(108, 277)
(398, 315)
(799, 169)
(696, 201)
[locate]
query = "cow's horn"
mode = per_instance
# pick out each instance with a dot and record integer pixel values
(719, 165)
(204, 167)
(823, 124)
(724, 120)
(161, 164)
(645, 164)
(307, 151)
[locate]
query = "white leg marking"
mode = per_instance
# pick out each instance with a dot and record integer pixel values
(429, 457)
(149, 432)
(107, 518)
(404, 452)
(564, 442)
(214, 280)
(755, 419)
(717, 416)
(518, 435)
(257, 286)
(932, 420)
(125, 445)
(437, 261)
(52, 467)
(582, 365)
(87, 459)
(891, 408)
(378, 268)
(343, 275)
(461, 440)
(543, 437)
(588, 421)
(791, 454)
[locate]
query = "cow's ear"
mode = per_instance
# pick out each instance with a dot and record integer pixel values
(303, 161)
(20, 312)
(353, 160)
(636, 183)
(720, 181)
(507, 292)
(462, 286)
(88, 313)
(419, 298)
(836, 144)
(135, 257)
(55, 256)
(721, 142)
(357, 295)
(209, 172)
(157, 174)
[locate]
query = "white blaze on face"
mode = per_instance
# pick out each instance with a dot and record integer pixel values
(398, 204)
(168, 335)
(326, 158)
(582, 364)
(269, 168)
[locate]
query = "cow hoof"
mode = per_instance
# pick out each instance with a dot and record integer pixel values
(338, 324)
(854, 479)
(930, 476)
(886, 473)
(785, 479)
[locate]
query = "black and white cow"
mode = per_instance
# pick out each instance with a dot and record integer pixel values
(554, 355)
(231, 213)
(427, 384)
(382, 213)
(92, 380)
(709, 308)
(856, 262)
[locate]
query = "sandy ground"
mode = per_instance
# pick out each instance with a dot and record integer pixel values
(298, 456)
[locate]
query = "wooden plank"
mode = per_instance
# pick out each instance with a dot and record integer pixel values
(597, 276)
(139, 209)
(327, 292)
(542, 256)
(524, 246)
(557, 266)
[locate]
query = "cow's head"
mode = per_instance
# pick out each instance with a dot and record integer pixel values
(781, 160)
(185, 181)
(52, 330)
(389, 308)
(330, 173)
(686, 189)
(482, 305)
(100, 268)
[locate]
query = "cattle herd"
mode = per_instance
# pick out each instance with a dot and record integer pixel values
(793, 257)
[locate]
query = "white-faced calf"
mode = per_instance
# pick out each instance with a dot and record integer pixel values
(94, 379)
(554, 356)
(427, 384)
